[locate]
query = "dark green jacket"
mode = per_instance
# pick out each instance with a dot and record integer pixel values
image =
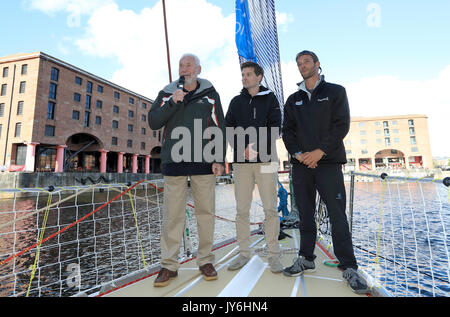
(205, 107)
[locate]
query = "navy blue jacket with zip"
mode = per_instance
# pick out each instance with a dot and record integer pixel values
(262, 110)
(320, 122)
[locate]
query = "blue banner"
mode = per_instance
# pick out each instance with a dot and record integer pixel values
(244, 41)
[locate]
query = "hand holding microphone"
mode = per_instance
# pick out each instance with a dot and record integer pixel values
(178, 95)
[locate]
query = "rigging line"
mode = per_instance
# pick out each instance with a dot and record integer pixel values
(44, 208)
(36, 259)
(69, 226)
(137, 229)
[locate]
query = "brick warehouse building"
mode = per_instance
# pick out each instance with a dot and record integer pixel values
(57, 117)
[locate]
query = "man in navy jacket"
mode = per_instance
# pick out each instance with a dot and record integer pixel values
(253, 111)
(316, 120)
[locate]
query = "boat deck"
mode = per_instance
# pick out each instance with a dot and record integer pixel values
(253, 280)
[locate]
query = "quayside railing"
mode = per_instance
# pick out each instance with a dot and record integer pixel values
(400, 230)
(66, 241)
(72, 240)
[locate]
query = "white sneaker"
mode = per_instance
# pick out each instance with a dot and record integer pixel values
(275, 264)
(238, 263)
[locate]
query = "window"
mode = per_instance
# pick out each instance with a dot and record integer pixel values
(143, 131)
(348, 151)
(362, 124)
(411, 123)
(363, 142)
(395, 131)
(130, 114)
(100, 89)
(116, 95)
(154, 134)
(387, 141)
(115, 124)
(130, 128)
(98, 120)
(88, 102)
(89, 87)
(378, 141)
(52, 91)
(142, 145)
(114, 140)
(77, 97)
(131, 101)
(5, 72)
(411, 131)
(394, 122)
(362, 132)
(54, 75)
(413, 140)
(378, 131)
(364, 151)
(129, 143)
(396, 140)
(3, 92)
(377, 123)
(348, 142)
(51, 110)
(87, 117)
(115, 109)
(18, 129)
(49, 130)
(24, 69)
(385, 124)
(78, 81)
(22, 87)
(75, 115)
(2, 109)
(415, 149)
(144, 105)
(386, 132)
(99, 104)
(20, 108)
(1, 128)
(143, 118)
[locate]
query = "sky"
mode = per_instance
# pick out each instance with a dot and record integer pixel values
(392, 56)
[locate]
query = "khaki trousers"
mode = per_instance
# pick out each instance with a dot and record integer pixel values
(266, 178)
(174, 215)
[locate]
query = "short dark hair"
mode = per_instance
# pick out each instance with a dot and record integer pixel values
(257, 69)
(312, 54)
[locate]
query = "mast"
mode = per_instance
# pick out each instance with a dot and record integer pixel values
(167, 40)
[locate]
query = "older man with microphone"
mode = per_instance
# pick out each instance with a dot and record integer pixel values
(186, 105)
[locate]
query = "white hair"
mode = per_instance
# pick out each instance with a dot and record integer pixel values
(197, 60)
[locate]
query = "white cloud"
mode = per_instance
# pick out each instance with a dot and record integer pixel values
(388, 95)
(283, 20)
(137, 40)
(70, 6)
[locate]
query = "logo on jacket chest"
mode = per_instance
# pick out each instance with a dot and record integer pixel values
(299, 103)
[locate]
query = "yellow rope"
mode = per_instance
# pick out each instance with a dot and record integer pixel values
(380, 221)
(137, 228)
(41, 237)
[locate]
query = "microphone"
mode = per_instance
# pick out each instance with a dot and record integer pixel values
(180, 84)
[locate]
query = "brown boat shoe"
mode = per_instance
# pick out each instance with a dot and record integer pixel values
(208, 272)
(164, 277)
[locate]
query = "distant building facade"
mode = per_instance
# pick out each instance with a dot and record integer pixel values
(57, 117)
(388, 142)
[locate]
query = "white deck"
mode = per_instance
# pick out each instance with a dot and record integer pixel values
(253, 280)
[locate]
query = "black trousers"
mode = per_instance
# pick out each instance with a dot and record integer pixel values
(328, 180)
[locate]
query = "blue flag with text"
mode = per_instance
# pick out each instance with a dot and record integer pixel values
(244, 41)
